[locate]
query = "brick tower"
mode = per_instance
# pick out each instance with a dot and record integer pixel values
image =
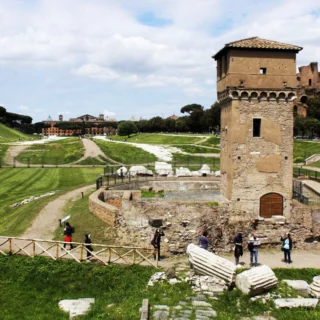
(256, 84)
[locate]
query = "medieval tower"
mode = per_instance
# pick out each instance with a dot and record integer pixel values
(256, 85)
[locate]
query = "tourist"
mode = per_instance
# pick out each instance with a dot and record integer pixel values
(253, 246)
(204, 241)
(287, 247)
(238, 250)
(156, 243)
(88, 243)
(68, 235)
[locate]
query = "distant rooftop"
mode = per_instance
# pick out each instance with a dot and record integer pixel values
(258, 43)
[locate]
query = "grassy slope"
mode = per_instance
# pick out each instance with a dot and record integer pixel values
(21, 183)
(57, 152)
(11, 135)
(125, 153)
(197, 149)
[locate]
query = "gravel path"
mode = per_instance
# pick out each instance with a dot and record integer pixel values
(44, 226)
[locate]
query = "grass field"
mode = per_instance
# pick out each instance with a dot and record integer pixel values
(21, 183)
(57, 152)
(305, 149)
(119, 291)
(159, 138)
(11, 135)
(125, 153)
(197, 149)
(194, 162)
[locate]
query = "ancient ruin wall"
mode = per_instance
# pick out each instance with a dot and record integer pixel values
(254, 166)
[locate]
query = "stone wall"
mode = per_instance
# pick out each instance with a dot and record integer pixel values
(107, 212)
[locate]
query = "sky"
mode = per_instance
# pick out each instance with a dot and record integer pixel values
(133, 58)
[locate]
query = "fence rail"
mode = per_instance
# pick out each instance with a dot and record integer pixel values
(311, 174)
(104, 254)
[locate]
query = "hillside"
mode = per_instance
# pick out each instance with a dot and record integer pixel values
(11, 135)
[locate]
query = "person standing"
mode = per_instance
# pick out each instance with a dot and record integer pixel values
(238, 250)
(88, 243)
(204, 241)
(253, 245)
(156, 242)
(287, 247)
(68, 235)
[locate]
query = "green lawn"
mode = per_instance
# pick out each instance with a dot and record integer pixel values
(32, 288)
(57, 152)
(212, 141)
(195, 162)
(18, 184)
(158, 138)
(197, 149)
(3, 150)
(119, 290)
(11, 135)
(305, 149)
(125, 153)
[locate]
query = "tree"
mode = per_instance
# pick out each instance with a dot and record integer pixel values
(314, 108)
(126, 128)
(190, 108)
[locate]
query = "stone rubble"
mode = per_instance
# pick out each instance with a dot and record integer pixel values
(32, 198)
(186, 310)
(163, 169)
(290, 303)
(315, 287)
(122, 170)
(140, 170)
(300, 286)
(206, 263)
(256, 280)
(77, 307)
(210, 284)
(183, 172)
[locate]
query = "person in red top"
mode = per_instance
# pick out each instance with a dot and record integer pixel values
(68, 235)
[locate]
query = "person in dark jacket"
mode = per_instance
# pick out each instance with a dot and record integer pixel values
(68, 235)
(287, 247)
(238, 250)
(156, 243)
(88, 242)
(204, 241)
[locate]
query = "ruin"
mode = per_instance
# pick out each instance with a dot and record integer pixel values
(259, 90)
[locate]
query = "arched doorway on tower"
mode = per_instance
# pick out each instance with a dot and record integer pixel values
(271, 204)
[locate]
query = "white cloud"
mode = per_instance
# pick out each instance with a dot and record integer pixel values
(23, 107)
(108, 113)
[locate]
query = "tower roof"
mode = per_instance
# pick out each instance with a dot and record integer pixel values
(256, 43)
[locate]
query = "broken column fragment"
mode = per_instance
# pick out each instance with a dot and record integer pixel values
(256, 280)
(315, 287)
(207, 263)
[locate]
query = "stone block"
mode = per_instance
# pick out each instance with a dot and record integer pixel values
(290, 303)
(256, 280)
(183, 172)
(122, 170)
(161, 315)
(300, 286)
(163, 168)
(207, 263)
(157, 190)
(140, 171)
(144, 310)
(315, 287)
(76, 308)
(205, 170)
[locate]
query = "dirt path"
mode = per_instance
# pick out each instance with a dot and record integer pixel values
(271, 257)
(44, 226)
(93, 151)
(12, 152)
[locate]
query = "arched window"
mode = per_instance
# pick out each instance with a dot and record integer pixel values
(271, 204)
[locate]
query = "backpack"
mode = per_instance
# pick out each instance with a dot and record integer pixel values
(250, 246)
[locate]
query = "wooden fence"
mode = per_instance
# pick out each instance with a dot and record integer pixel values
(56, 250)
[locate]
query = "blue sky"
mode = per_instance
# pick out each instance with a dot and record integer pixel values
(133, 58)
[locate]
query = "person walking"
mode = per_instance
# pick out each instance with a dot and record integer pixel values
(238, 250)
(287, 247)
(68, 235)
(156, 242)
(204, 241)
(253, 246)
(88, 243)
